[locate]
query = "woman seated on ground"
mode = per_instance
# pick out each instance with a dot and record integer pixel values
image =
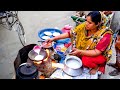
(86, 42)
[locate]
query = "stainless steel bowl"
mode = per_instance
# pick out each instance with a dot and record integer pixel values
(72, 66)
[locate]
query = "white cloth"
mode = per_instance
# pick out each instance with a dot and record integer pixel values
(85, 75)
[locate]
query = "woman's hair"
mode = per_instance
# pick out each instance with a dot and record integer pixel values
(95, 16)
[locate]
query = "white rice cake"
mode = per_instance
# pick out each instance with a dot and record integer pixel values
(56, 33)
(39, 57)
(45, 37)
(48, 33)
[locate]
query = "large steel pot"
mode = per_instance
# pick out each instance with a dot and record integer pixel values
(72, 66)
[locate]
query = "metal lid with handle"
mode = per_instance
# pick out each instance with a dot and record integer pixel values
(27, 71)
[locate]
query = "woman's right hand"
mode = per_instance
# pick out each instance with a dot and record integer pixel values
(49, 40)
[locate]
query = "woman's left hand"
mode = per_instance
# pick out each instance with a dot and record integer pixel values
(75, 52)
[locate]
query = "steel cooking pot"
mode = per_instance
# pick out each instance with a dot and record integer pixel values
(32, 55)
(72, 66)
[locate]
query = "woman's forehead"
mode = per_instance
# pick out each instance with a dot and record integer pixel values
(88, 18)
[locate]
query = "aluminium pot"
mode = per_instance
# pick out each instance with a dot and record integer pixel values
(72, 66)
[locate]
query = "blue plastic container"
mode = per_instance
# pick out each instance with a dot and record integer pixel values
(52, 30)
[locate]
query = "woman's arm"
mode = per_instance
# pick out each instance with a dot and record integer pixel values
(61, 36)
(78, 52)
(94, 52)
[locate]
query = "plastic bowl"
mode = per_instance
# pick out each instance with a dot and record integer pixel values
(52, 30)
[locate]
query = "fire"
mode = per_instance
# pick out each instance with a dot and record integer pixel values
(39, 62)
(48, 55)
(54, 64)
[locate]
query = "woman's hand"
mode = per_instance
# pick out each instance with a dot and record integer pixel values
(49, 40)
(75, 52)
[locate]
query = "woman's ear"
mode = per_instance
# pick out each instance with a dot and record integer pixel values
(98, 24)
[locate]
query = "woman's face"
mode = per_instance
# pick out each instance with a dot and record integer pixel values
(90, 25)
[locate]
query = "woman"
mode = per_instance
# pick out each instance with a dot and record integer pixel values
(88, 43)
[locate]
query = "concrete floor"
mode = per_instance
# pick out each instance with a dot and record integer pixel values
(33, 21)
